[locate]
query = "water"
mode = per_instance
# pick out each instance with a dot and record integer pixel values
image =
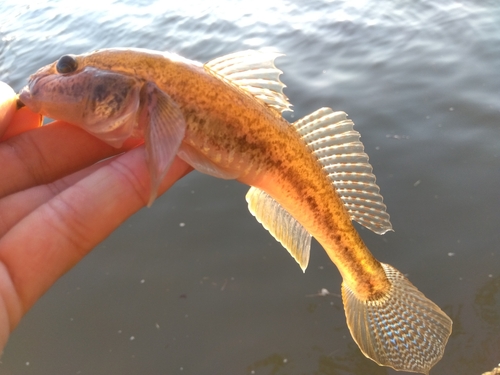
(194, 285)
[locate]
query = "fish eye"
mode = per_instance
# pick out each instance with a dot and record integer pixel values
(66, 64)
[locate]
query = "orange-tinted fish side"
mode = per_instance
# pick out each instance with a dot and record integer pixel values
(239, 133)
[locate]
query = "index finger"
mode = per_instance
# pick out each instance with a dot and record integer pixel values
(14, 121)
(22, 120)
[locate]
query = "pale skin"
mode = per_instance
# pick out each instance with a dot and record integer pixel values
(56, 204)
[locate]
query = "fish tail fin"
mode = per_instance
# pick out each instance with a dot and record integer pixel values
(402, 329)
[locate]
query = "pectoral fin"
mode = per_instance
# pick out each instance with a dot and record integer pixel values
(164, 128)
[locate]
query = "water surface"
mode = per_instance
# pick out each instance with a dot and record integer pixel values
(194, 285)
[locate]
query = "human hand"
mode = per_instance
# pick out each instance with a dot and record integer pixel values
(56, 203)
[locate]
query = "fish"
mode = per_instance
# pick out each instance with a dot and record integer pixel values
(309, 178)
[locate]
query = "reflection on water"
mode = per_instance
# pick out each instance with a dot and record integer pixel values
(271, 365)
(487, 306)
(487, 303)
(468, 351)
(419, 79)
(495, 371)
(353, 362)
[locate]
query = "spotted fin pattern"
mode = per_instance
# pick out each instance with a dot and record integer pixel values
(331, 137)
(402, 329)
(255, 73)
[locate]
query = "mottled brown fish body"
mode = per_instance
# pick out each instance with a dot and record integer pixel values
(242, 135)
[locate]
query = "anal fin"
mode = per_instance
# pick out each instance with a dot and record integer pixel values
(283, 227)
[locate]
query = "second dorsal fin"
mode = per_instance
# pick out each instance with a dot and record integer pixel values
(255, 73)
(331, 137)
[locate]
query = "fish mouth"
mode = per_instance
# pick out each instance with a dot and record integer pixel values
(25, 97)
(19, 103)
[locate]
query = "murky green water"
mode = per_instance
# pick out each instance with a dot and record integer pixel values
(194, 285)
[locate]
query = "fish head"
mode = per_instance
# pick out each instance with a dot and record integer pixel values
(102, 102)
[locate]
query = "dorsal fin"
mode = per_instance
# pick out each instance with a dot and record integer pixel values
(254, 72)
(331, 137)
(280, 224)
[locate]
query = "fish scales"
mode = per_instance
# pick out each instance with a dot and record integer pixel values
(224, 119)
(221, 119)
